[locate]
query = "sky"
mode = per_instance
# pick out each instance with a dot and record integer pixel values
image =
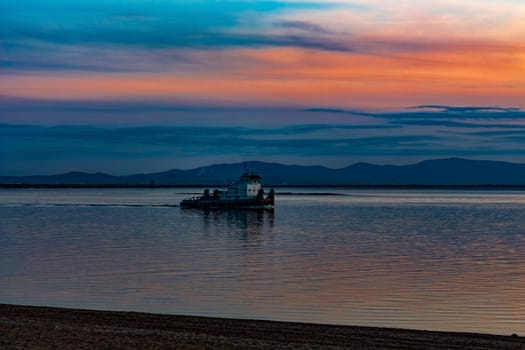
(141, 86)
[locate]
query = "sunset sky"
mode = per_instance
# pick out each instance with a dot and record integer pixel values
(140, 86)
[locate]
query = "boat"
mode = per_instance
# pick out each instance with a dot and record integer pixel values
(246, 193)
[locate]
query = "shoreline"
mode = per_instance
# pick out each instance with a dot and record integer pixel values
(31, 327)
(381, 186)
(515, 187)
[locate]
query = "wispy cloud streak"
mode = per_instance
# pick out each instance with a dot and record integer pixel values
(434, 112)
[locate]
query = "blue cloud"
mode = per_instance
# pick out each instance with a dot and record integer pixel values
(340, 111)
(172, 135)
(303, 26)
(150, 148)
(89, 141)
(140, 23)
(60, 35)
(432, 113)
(499, 132)
(456, 124)
(466, 109)
(466, 132)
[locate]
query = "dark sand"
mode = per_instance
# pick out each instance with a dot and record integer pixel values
(27, 327)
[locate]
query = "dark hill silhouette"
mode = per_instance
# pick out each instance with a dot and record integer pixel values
(439, 172)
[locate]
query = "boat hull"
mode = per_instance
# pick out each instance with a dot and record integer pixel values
(230, 204)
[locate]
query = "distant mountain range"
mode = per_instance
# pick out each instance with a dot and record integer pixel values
(439, 172)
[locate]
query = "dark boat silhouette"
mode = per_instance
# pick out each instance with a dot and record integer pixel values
(246, 192)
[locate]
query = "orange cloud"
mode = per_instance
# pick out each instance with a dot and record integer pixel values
(452, 73)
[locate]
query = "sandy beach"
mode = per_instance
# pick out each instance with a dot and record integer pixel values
(28, 327)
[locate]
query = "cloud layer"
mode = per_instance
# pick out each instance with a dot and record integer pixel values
(86, 83)
(360, 54)
(344, 138)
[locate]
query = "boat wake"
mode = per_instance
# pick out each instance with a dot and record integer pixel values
(310, 194)
(113, 205)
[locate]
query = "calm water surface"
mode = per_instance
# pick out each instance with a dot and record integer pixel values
(413, 259)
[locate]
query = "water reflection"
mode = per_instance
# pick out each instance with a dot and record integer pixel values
(246, 222)
(442, 261)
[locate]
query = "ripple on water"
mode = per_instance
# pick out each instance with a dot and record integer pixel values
(418, 259)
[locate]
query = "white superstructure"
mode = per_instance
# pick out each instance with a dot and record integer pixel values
(247, 187)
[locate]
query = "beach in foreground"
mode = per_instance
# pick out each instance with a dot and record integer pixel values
(28, 327)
